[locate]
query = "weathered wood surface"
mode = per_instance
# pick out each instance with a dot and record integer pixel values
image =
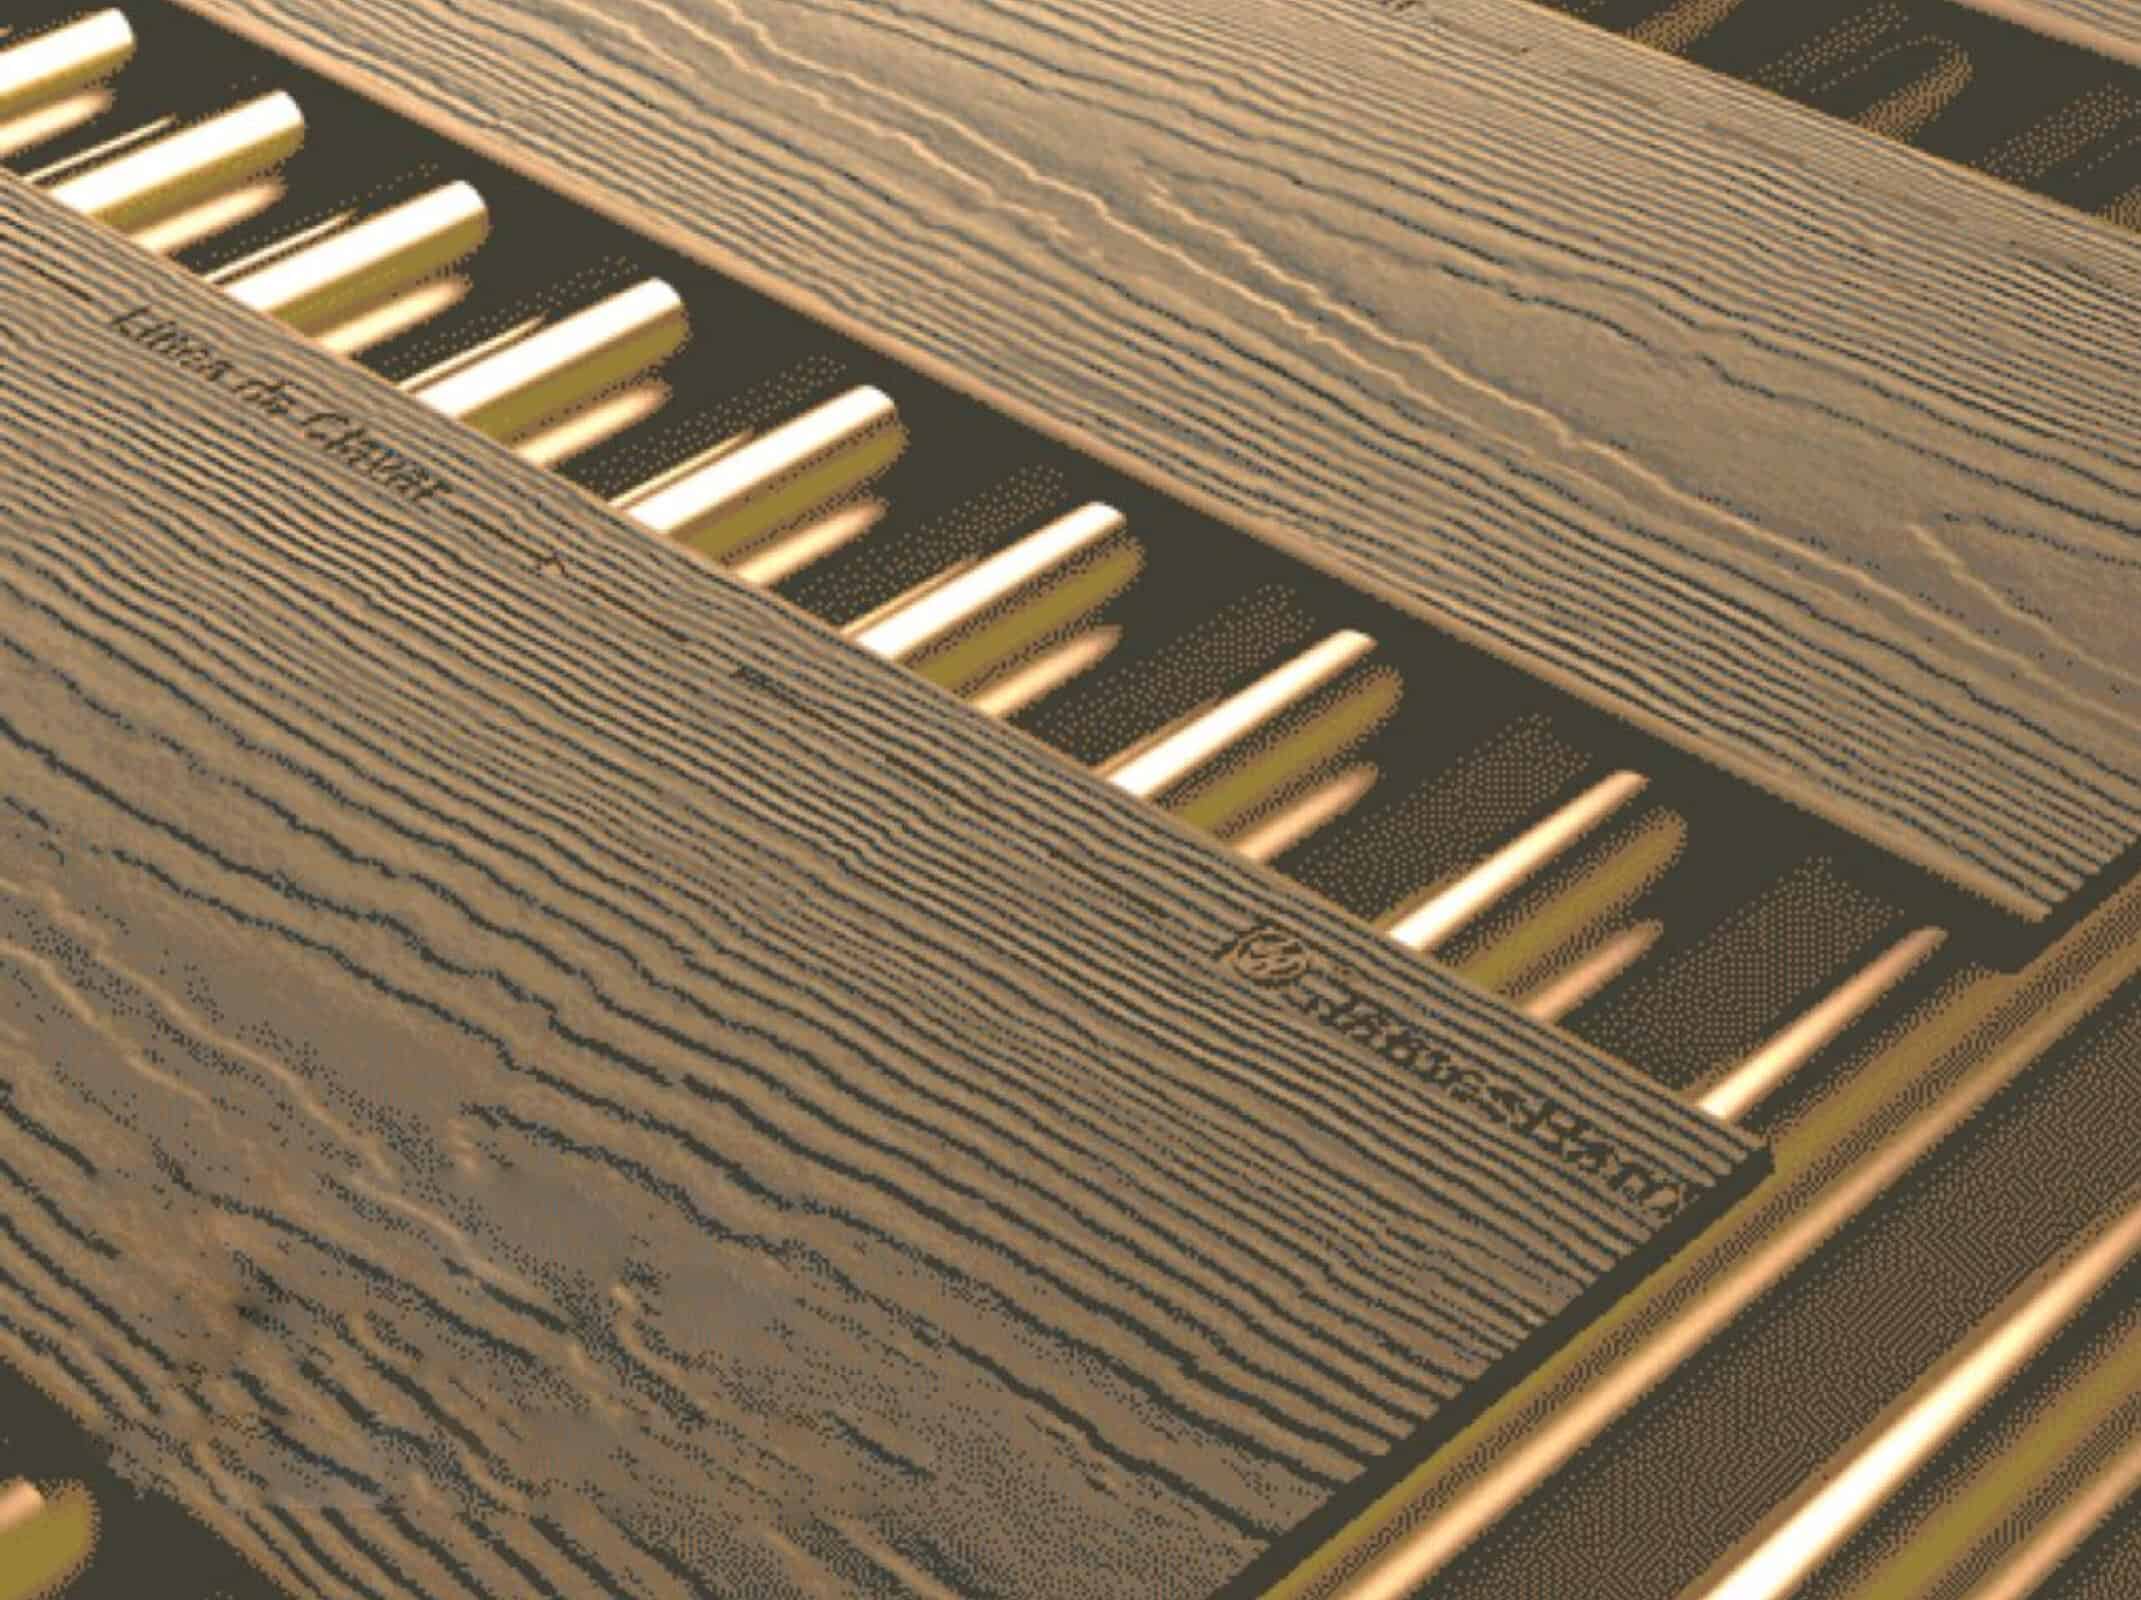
(1818, 455)
(522, 1074)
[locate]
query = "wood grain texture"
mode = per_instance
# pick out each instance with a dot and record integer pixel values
(2109, 27)
(1816, 455)
(526, 1065)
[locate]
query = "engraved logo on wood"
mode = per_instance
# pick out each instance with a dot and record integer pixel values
(1280, 962)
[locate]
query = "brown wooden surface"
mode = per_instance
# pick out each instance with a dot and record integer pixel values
(1817, 454)
(2112, 27)
(526, 1064)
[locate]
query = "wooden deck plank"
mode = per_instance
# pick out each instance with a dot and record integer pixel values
(524, 1060)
